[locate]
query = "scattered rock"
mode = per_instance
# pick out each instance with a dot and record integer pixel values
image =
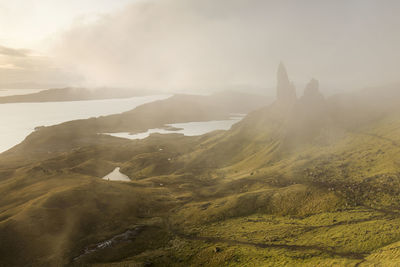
(205, 206)
(217, 249)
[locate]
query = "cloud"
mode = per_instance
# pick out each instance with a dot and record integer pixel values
(24, 68)
(9, 66)
(12, 52)
(191, 44)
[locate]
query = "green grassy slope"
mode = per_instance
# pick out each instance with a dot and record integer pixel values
(307, 186)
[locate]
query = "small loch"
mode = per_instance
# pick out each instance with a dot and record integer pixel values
(116, 175)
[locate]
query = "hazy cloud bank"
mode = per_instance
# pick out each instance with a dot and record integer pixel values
(204, 45)
(23, 68)
(218, 44)
(12, 52)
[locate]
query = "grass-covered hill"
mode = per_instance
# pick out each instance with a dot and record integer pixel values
(311, 183)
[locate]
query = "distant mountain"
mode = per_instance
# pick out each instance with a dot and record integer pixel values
(74, 94)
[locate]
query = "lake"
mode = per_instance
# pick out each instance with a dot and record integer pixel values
(18, 120)
(187, 128)
(116, 175)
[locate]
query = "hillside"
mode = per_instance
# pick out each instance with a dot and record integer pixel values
(305, 181)
(73, 94)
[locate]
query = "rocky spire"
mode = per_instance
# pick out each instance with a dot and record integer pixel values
(312, 91)
(286, 92)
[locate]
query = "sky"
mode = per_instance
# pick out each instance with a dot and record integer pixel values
(191, 45)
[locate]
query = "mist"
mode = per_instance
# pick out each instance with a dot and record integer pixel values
(199, 133)
(205, 46)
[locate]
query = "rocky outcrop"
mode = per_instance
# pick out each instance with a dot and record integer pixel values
(286, 92)
(310, 120)
(311, 92)
(312, 104)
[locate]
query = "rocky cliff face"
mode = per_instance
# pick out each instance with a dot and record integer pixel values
(286, 92)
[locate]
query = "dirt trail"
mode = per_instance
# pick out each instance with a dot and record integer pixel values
(350, 255)
(328, 250)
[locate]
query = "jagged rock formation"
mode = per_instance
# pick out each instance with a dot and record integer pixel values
(286, 92)
(312, 104)
(310, 121)
(311, 92)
